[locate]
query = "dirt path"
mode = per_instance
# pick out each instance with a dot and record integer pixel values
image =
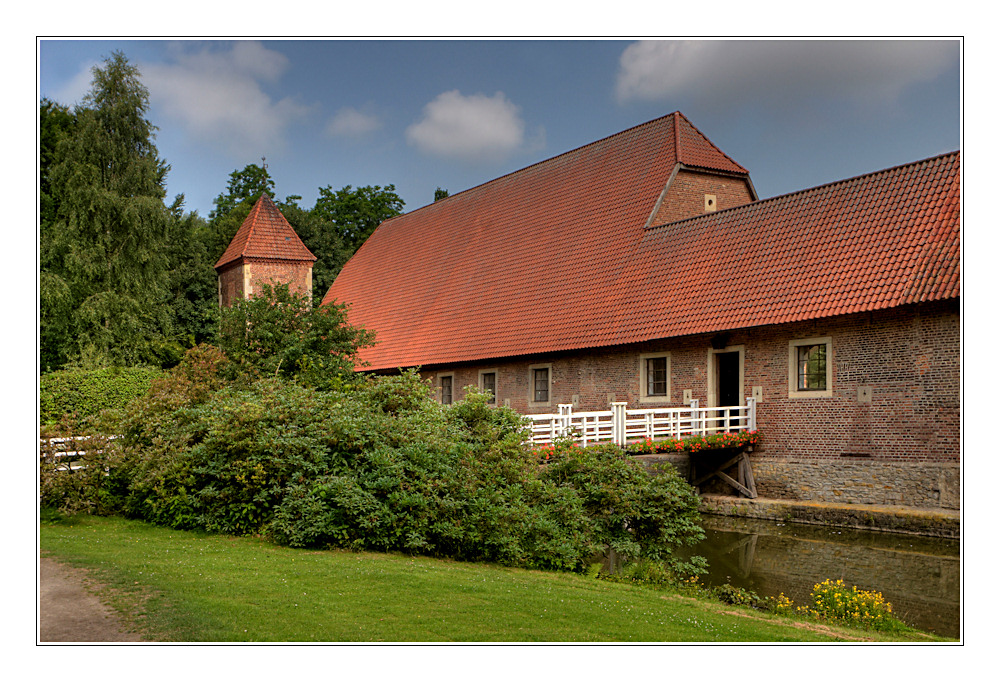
(70, 612)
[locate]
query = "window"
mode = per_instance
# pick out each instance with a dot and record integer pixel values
(446, 389)
(540, 385)
(654, 377)
(810, 368)
(488, 383)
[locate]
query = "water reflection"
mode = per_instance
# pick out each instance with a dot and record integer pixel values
(919, 576)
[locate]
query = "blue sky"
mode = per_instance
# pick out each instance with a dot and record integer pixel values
(422, 114)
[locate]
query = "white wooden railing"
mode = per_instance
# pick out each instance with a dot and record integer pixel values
(65, 453)
(621, 425)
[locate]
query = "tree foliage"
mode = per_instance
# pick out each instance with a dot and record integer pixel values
(280, 333)
(104, 257)
(355, 213)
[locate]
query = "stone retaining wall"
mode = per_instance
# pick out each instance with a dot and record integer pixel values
(859, 481)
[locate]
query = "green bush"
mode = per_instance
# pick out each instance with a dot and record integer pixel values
(638, 515)
(84, 393)
(377, 464)
(737, 596)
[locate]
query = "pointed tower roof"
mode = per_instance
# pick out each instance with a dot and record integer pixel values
(265, 235)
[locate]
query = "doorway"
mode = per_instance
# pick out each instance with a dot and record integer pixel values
(727, 390)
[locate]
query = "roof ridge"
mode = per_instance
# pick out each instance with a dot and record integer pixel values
(546, 160)
(805, 191)
(252, 217)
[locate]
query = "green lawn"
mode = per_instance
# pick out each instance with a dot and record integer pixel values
(184, 586)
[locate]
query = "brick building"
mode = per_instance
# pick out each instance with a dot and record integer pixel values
(265, 250)
(643, 268)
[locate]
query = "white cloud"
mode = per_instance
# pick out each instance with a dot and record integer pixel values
(470, 127)
(73, 91)
(218, 96)
(350, 122)
(779, 72)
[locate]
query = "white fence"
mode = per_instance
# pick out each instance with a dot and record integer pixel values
(621, 425)
(65, 453)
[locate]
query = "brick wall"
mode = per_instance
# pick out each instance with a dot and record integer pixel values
(894, 400)
(245, 279)
(230, 285)
(685, 198)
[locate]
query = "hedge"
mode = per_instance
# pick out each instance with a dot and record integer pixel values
(86, 392)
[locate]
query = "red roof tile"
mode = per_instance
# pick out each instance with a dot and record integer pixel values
(265, 235)
(554, 257)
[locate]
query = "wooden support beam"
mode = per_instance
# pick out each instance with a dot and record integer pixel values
(734, 483)
(750, 483)
(728, 463)
(746, 485)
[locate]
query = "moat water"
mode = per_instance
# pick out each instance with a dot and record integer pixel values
(919, 576)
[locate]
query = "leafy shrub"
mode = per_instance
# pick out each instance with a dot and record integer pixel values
(377, 464)
(780, 605)
(73, 472)
(279, 333)
(637, 514)
(737, 596)
(84, 393)
(643, 572)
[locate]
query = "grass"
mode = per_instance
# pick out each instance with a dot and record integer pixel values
(194, 587)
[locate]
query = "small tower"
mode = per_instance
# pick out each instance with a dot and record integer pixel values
(265, 250)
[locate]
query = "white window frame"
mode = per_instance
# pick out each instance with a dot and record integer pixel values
(793, 370)
(531, 385)
(644, 396)
(496, 383)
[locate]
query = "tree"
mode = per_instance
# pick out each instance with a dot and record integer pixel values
(244, 185)
(356, 213)
(440, 194)
(321, 238)
(281, 333)
(104, 257)
(55, 123)
(192, 284)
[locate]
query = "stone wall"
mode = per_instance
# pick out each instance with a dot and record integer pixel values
(860, 481)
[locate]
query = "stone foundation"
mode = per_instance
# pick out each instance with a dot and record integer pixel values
(925, 486)
(858, 481)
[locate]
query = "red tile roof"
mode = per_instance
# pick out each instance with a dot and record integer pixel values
(265, 235)
(555, 257)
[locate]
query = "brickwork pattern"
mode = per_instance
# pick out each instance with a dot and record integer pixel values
(246, 278)
(686, 195)
(835, 448)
